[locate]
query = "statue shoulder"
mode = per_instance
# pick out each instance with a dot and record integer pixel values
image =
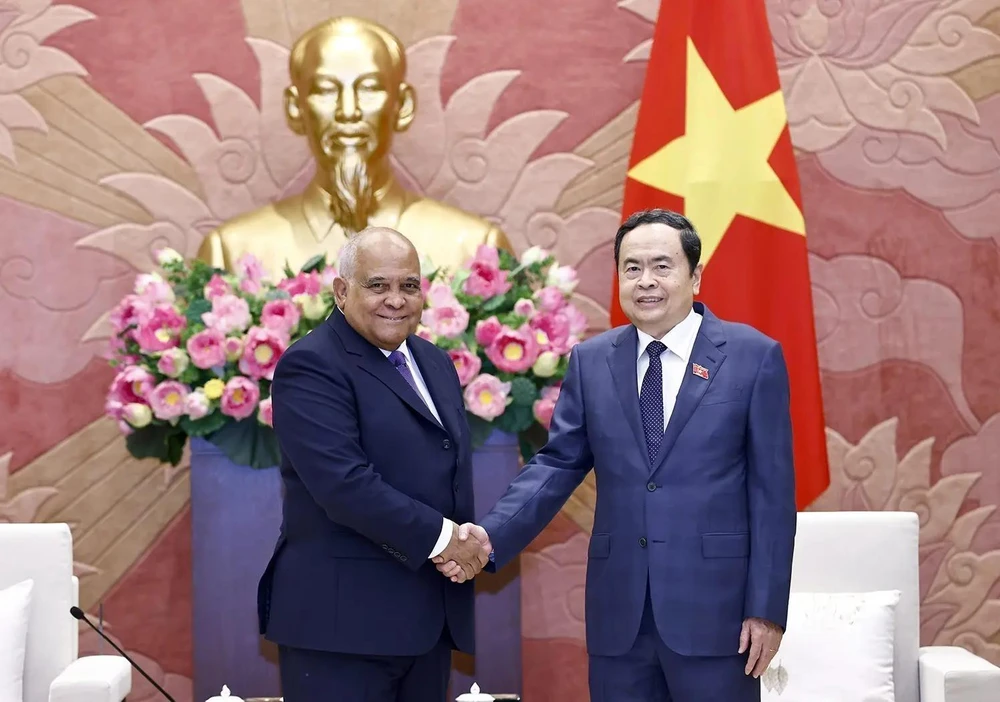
(240, 232)
(458, 225)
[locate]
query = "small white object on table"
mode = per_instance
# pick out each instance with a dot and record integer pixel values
(474, 695)
(225, 696)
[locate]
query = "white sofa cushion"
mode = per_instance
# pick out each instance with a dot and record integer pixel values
(15, 608)
(838, 647)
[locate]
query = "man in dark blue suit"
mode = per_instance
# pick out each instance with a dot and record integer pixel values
(685, 419)
(376, 469)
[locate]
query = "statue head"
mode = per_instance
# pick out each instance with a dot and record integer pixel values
(348, 98)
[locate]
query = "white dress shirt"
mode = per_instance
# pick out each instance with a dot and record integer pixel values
(679, 342)
(425, 395)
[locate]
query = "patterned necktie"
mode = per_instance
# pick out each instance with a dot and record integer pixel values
(397, 359)
(651, 400)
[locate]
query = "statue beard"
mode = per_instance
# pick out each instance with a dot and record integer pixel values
(352, 193)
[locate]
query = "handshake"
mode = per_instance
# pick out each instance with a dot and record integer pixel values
(466, 554)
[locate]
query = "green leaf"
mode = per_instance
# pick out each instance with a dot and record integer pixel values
(289, 273)
(204, 426)
(315, 263)
(494, 303)
(196, 309)
(480, 429)
(163, 442)
(248, 443)
(523, 391)
(515, 419)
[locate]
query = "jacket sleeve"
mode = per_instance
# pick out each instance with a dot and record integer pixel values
(548, 479)
(770, 492)
(315, 419)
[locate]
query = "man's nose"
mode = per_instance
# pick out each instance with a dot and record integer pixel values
(347, 106)
(394, 300)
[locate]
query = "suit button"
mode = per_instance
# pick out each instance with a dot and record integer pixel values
(651, 486)
(642, 541)
(446, 444)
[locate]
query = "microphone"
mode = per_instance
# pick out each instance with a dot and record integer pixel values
(78, 614)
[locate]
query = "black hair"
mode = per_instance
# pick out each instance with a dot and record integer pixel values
(690, 241)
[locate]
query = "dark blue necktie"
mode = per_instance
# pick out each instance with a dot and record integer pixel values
(397, 359)
(651, 400)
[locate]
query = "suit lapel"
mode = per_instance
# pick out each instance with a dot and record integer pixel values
(708, 354)
(622, 361)
(371, 360)
(435, 374)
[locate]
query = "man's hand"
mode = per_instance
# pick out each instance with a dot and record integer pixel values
(463, 558)
(763, 639)
(454, 568)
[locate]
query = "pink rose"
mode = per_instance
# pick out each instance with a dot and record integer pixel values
(197, 405)
(229, 314)
(513, 351)
(239, 399)
(217, 287)
(168, 399)
(280, 315)
(261, 351)
(486, 330)
(467, 364)
(206, 349)
(545, 406)
(131, 384)
(160, 330)
(486, 396)
(486, 279)
(550, 299)
(266, 414)
(302, 284)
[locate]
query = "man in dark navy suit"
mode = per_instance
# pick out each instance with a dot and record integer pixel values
(685, 420)
(376, 467)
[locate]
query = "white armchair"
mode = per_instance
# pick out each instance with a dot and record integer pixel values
(52, 669)
(871, 551)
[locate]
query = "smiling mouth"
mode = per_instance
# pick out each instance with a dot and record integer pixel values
(648, 300)
(394, 318)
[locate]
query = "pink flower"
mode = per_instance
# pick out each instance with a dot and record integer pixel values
(168, 399)
(545, 406)
(197, 405)
(551, 331)
(425, 333)
(326, 277)
(302, 284)
(229, 314)
(486, 330)
(160, 330)
(280, 315)
(486, 279)
(467, 364)
(153, 289)
(130, 311)
(131, 384)
(524, 307)
(550, 299)
(563, 278)
(266, 414)
(577, 320)
(261, 351)
(486, 396)
(240, 397)
(425, 285)
(217, 287)
(172, 362)
(233, 346)
(440, 295)
(206, 349)
(450, 321)
(513, 351)
(251, 271)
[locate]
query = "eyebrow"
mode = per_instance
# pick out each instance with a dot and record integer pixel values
(655, 259)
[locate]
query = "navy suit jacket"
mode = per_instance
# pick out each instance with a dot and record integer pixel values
(709, 524)
(368, 475)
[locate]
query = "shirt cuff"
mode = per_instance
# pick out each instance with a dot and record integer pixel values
(447, 526)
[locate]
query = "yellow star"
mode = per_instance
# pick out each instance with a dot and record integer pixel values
(719, 165)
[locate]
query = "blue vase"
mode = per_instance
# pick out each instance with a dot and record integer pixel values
(235, 518)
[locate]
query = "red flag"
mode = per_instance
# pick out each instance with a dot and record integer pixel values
(712, 142)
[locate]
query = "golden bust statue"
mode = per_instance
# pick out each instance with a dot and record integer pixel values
(348, 97)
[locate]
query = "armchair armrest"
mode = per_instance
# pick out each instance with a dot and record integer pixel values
(93, 679)
(953, 674)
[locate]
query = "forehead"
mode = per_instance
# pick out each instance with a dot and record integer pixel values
(648, 240)
(344, 54)
(388, 260)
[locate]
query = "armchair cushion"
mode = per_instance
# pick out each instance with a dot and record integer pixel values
(837, 647)
(953, 674)
(93, 679)
(15, 607)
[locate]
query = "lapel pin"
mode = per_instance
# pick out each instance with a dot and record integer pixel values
(700, 371)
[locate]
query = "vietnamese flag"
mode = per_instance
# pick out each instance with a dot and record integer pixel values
(712, 142)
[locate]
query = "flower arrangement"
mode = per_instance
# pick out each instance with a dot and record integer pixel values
(195, 348)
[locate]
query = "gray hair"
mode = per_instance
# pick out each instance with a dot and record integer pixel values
(347, 261)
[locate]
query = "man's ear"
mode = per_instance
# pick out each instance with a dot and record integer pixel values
(696, 275)
(339, 291)
(293, 113)
(407, 107)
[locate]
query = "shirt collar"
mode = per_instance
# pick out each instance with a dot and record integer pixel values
(403, 350)
(679, 340)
